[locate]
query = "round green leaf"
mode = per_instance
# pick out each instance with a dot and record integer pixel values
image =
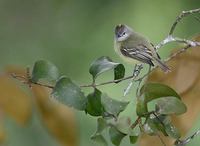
(116, 136)
(103, 64)
(150, 127)
(69, 93)
(101, 141)
(123, 124)
(151, 91)
(97, 137)
(141, 107)
(101, 125)
(119, 72)
(94, 106)
(133, 139)
(156, 90)
(45, 71)
(112, 106)
(170, 105)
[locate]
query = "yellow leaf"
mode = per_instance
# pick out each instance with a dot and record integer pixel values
(58, 118)
(14, 101)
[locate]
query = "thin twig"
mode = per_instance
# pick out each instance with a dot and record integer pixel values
(187, 140)
(44, 85)
(27, 80)
(136, 72)
(18, 77)
(137, 121)
(179, 18)
(161, 122)
(108, 82)
(170, 39)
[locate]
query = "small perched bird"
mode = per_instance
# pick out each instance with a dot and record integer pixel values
(133, 48)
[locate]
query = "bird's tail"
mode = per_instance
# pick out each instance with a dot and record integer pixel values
(163, 66)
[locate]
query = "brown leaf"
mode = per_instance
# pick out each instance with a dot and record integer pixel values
(2, 131)
(185, 79)
(14, 101)
(58, 118)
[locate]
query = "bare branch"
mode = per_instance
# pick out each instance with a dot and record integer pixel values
(187, 140)
(108, 82)
(27, 80)
(179, 18)
(170, 39)
(137, 121)
(136, 72)
(44, 85)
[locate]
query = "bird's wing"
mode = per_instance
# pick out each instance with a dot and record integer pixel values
(140, 53)
(155, 50)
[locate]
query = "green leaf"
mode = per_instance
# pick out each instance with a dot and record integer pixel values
(156, 90)
(164, 118)
(133, 139)
(69, 94)
(119, 72)
(101, 125)
(151, 91)
(170, 105)
(123, 124)
(150, 127)
(94, 106)
(112, 106)
(103, 64)
(160, 121)
(116, 136)
(45, 71)
(172, 131)
(99, 139)
(141, 107)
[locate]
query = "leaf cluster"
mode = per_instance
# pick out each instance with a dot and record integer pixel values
(98, 104)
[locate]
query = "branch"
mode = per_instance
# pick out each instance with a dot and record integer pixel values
(28, 81)
(179, 18)
(187, 140)
(170, 38)
(137, 121)
(136, 72)
(133, 77)
(108, 82)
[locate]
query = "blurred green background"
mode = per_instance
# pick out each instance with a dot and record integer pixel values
(71, 34)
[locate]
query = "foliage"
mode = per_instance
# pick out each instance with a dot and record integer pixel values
(99, 104)
(152, 121)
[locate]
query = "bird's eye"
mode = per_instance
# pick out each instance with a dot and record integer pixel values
(123, 33)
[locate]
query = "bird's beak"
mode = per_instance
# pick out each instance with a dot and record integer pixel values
(118, 35)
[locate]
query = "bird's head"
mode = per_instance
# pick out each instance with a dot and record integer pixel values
(122, 32)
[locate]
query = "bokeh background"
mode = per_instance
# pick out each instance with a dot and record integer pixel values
(71, 34)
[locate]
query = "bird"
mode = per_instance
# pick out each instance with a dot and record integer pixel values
(135, 48)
